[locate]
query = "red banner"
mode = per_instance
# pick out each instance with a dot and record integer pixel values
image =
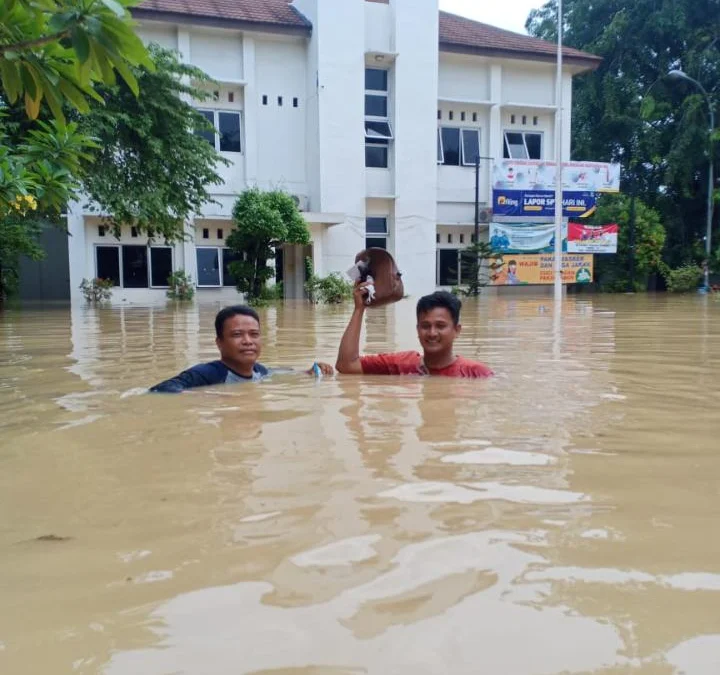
(592, 238)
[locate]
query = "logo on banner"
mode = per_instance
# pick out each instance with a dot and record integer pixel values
(541, 204)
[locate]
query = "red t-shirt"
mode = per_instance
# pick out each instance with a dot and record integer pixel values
(411, 363)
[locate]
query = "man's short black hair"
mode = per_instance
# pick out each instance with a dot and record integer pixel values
(228, 312)
(442, 299)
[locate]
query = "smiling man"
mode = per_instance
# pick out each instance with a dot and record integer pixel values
(438, 325)
(239, 340)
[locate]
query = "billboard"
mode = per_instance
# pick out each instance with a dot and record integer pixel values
(536, 175)
(526, 270)
(592, 239)
(524, 237)
(541, 203)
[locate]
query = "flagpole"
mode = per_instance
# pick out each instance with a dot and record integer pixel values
(558, 288)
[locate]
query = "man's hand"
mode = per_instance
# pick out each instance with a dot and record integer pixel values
(360, 295)
(325, 368)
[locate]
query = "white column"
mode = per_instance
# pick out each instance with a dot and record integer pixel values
(77, 250)
(188, 248)
(250, 111)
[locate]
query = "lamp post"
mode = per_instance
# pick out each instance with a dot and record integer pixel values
(680, 75)
(558, 161)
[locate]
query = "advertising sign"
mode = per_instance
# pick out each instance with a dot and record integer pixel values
(536, 175)
(541, 203)
(524, 237)
(525, 270)
(592, 239)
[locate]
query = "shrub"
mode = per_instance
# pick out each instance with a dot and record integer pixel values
(683, 279)
(97, 290)
(330, 290)
(181, 286)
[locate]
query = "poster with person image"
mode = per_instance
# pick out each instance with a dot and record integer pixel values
(538, 269)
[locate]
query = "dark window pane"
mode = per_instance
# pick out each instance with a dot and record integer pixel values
(448, 272)
(471, 146)
(108, 263)
(135, 266)
(161, 264)
(279, 265)
(376, 106)
(378, 130)
(208, 266)
(375, 242)
(376, 225)
(376, 79)
(229, 257)
(534, 145)
(451, 146)
(515, 146)
(208, 135)
(376, 155)
(439, 148)
(229, 124)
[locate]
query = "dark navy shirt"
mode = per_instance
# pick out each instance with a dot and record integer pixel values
(207, 375)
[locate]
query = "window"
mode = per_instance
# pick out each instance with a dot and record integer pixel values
(447, 267)
(101, 230)
(264, 99)
(220, 233)
(107, 263)
(376, 232)
(280, 101)
(133, 232)
(522, 145)
(462, 238)
(226, 137)
(161, 266)
(134, 266)
(206, 233)
(131, 267)
(449, 238)
(458, 147)
(462, 116)
(378, 132)
(295, 102)
(208, 266)
(213, 266)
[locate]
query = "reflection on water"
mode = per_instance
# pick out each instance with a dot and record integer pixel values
(559, 518)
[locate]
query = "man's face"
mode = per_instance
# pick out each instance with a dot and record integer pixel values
(241, 341)
(512, 268)
(436, 331)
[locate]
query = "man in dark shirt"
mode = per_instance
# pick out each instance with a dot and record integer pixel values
(239, 340)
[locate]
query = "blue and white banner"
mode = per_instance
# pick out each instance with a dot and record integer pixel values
(524, 237)
(541, 203)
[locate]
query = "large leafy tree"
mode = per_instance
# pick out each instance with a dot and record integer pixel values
(150, 170)
(263, 220)
(629, 111)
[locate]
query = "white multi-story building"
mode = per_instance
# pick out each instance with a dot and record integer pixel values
(370, 112)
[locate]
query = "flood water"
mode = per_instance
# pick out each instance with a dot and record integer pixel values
(561, 518)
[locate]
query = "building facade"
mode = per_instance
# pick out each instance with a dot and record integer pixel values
(370, 113)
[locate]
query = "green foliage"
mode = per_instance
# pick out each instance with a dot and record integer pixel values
(333, 289)
(629, 111)
(685, 279)
(96, 290)
(181, 286)
(480, 262)
(56, 51)
(263, 221)
(612, 271)
(150, 171)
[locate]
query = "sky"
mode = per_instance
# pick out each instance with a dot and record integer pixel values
(510, 14)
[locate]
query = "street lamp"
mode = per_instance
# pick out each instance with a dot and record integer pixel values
(680, 75)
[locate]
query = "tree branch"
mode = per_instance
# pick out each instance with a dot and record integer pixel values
(37, 42)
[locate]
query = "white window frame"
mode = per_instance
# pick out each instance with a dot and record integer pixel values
(172, 265)
(378, 235)
(383, 139)
(119, 248)
(461, 132)
(216, 125)
(523, 133)
(221, 263)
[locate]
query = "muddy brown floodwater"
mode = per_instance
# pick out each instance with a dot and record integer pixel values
(561, 518)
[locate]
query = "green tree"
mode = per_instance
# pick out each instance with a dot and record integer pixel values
(612, 272)
(628, 111)
(263, 221)
(150, 170)
(58, 50)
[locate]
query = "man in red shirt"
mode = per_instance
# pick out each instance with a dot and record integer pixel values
(438, 324)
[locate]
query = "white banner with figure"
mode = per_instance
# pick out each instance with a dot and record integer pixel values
(534, 174)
